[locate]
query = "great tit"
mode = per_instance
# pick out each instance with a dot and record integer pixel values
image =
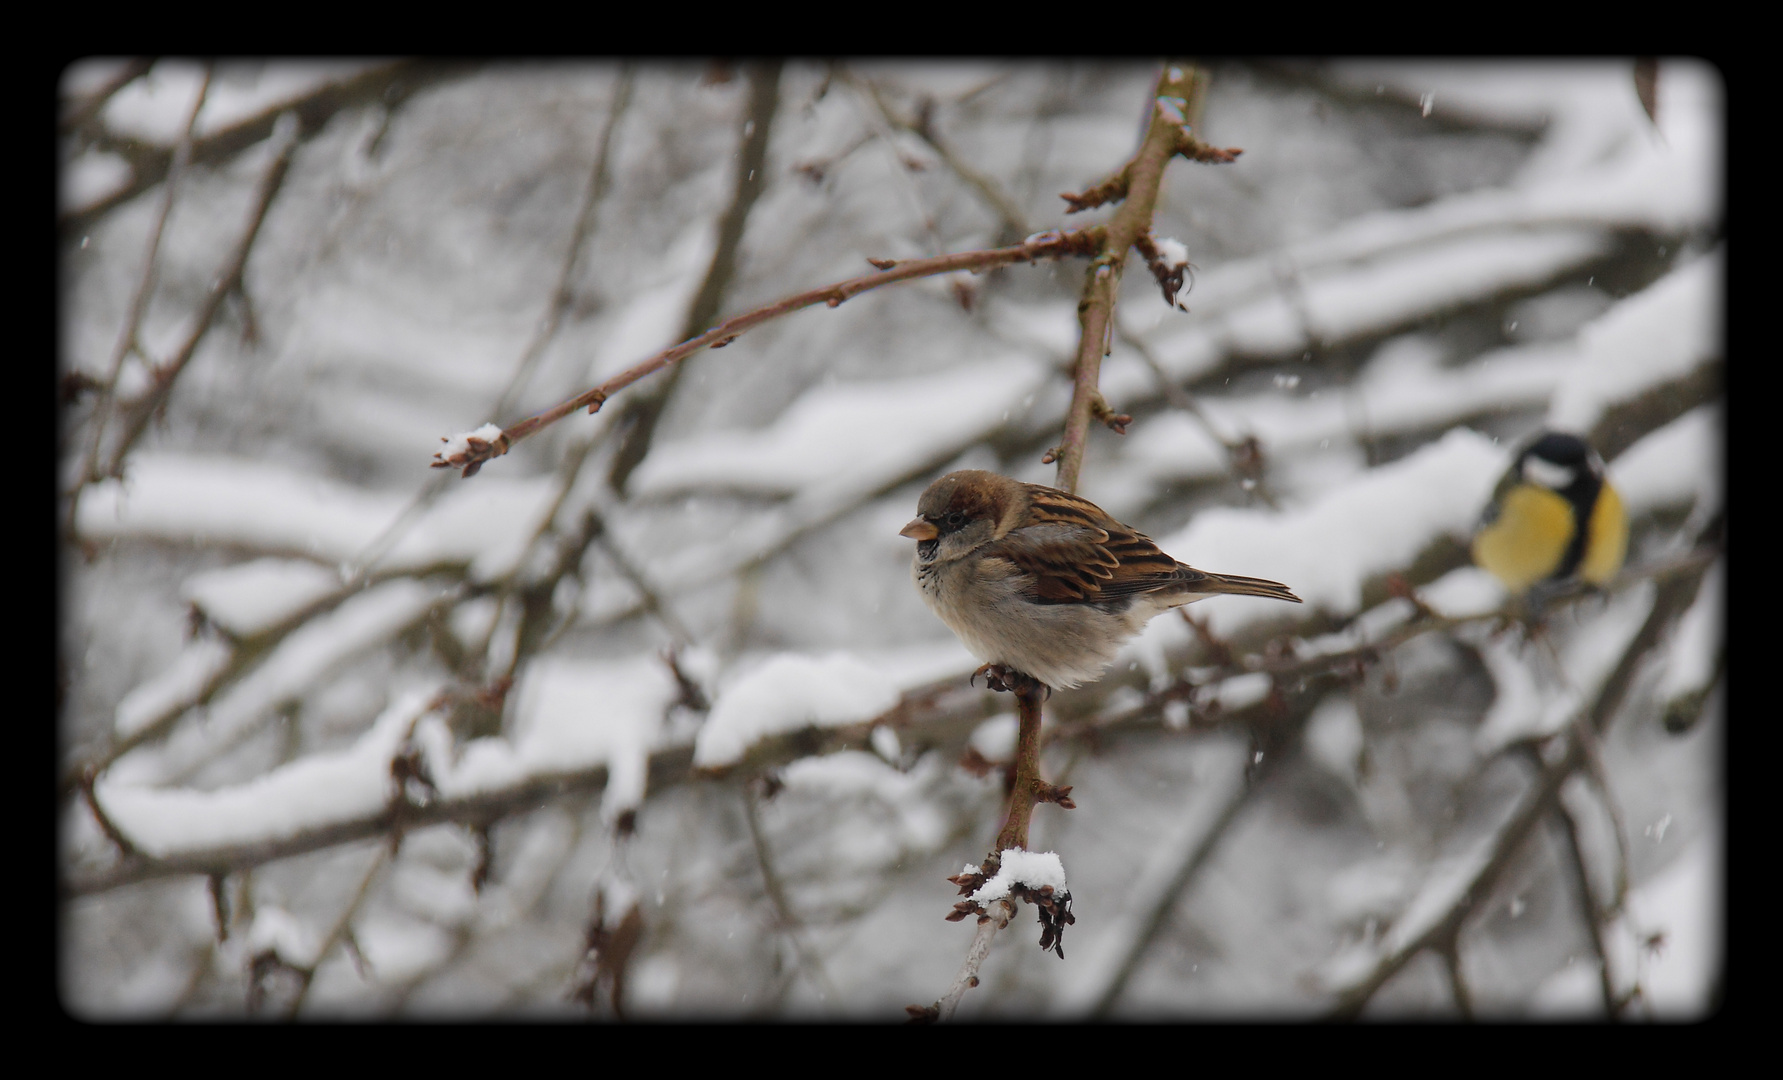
(1553, 517)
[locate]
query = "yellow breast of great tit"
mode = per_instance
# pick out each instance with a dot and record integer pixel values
(1534, 533)
(1606, 543)
(1526, 537)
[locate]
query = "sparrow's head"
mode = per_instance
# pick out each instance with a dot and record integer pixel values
(964, 510)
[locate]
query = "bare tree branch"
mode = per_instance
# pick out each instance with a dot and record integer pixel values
(129, 335)
(923, 127)
(1177, 95)
(558, 302)
(76, 113)
(1590, 911)
(1002, 912)
(1460, 895)
(1043, 246)
(642, 411)
(386, 83)
(227, 280)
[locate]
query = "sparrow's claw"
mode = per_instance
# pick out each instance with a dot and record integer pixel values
(1005, 679)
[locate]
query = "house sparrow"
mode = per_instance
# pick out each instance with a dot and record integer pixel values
(1038, 580)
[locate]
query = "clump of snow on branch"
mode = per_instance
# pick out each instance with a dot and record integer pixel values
(1331, 546)
(362, 623)
(469, 449)
(1678, 465)
(1660, 335)
(174, 687)
(570, 715)
(1696, 643)
(276, 510)
(278, 931)
(309, 793)
(250, 597)
(1463, 592)
(1171, 252)
(1030, 869)
(786, 693)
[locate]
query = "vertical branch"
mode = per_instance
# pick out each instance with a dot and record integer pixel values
(809, 962)
(1026, 791)
(1001, 912)
(592, 196)
(129, 333)
(1157, 915)
(1015, 225)
(1589, 908)
(643, 411)
(78, 111)
(1448, 948)
(227, 280)
(1178, 96)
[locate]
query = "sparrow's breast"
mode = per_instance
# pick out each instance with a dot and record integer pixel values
(983, 602)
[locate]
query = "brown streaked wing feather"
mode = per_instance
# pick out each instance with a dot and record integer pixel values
(1077, 553)
(1067, 562)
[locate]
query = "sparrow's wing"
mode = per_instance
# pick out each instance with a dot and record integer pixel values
(1076, 553)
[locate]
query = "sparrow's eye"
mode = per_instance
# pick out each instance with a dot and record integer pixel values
(955, 520)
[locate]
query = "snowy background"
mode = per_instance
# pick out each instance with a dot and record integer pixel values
(737, 753)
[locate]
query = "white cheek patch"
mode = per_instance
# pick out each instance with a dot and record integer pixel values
(1548, 474)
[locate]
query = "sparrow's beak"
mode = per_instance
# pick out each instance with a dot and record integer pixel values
(920, 529)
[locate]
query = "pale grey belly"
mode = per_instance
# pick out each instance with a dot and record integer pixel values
(1062, 645)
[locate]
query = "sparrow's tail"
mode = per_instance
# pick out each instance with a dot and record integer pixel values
(1233, 585)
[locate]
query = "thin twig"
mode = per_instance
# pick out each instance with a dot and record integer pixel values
(340, 930)
(1190, 860)
(1044, 246)
(592, 195)
(1449, 950)
(149, 163)
(1244, 457)
(1590, 911)
(651, 598)
(129, 335)
(924, 128)
(880, 123)
(1598, 775)
(1001, 912)
(643, 411)
(1673, 597)
(227, 280)
(788, 922)
(77, 113)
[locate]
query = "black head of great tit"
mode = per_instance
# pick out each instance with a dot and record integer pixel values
(1553, 517)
